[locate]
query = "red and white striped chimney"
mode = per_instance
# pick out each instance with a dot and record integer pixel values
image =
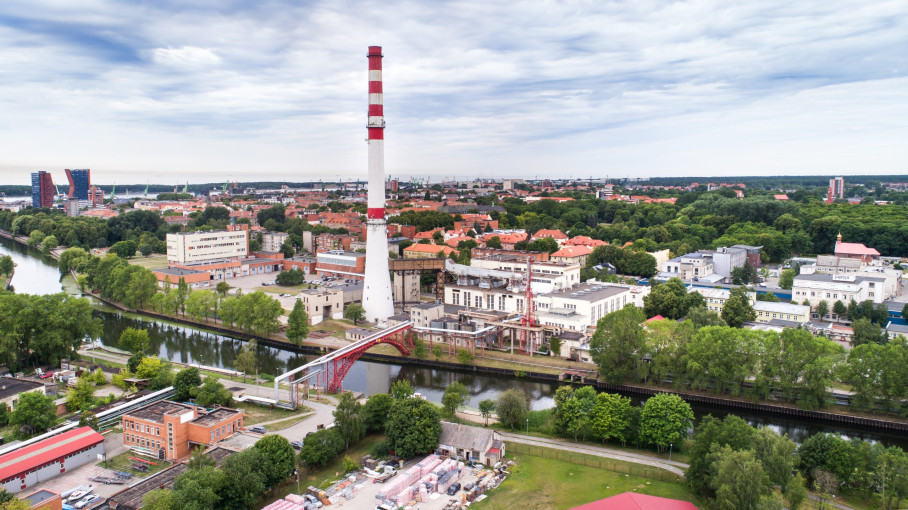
(377, 295)
(376, 128)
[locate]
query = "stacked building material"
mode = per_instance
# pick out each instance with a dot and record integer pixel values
(296, 498)
(284, 505)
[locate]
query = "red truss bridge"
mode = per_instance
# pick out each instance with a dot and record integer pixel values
(329, 370)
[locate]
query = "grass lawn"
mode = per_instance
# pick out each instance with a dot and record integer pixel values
(289, 422)
(537, 483)
(258, 414)
(156, 261)
(122, 462)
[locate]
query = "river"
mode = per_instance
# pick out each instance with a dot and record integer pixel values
(37, 274)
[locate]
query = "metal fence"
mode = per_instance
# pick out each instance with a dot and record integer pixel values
(595, 461)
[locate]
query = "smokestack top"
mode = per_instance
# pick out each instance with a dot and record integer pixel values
(374, 51)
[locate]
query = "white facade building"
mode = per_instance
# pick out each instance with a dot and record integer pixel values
(272, 241)
(837, 287)
(206, 246)
(688, 267)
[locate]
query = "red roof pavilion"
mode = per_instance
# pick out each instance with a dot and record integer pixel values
(634, 501)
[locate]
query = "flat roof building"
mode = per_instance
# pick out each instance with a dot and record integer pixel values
(170, 430)
(206, 246)
(12, 387)
(37, 462)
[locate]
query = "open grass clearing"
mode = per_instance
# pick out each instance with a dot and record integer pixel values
(289, 422)
(156, 261)
(544, 483)
(257, 414)
(123, 462)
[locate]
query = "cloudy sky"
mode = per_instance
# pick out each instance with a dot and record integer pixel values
(206, 90)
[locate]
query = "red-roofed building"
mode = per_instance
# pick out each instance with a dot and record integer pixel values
(634, 501)
(43, 460)
(584, 241)
(855, 251)
(780, 197)
(573, 255)
(656, 318)
(557, 235)
(427, 251)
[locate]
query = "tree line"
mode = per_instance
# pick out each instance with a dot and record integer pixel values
(737, 466)
(794, 365)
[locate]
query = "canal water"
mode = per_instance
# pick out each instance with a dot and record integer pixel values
(192, 345)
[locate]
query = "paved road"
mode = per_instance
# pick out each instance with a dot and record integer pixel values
(635, 458)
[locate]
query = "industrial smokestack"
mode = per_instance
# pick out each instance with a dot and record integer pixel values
(377, 299)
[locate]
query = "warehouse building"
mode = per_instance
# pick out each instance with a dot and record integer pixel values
(38, 462)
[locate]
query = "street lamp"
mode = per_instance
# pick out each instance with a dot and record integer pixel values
(528, 427)
(670, 452)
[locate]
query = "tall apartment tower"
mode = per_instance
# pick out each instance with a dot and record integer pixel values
(42, 189)
(836, 189)
(79, 183)
(377, 300)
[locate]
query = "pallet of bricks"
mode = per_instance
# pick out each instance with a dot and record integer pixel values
(487, 480)
(417, 483)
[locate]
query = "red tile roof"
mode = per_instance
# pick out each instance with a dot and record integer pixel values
(573, 251)
(47, 450)
(854, 249)
(428, 248)
(634, 501)
(554, 234)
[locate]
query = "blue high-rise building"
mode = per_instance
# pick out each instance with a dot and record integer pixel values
(42, 189)
(79, 183)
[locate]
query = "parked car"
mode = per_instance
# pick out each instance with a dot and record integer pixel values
(76, 496)
(258, 429)
(452, 490)
(47, 375)
(297, 444)
(88, 501)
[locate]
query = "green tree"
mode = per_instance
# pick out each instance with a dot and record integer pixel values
(279, 457)
(768, 297)
(486, 408)
(413, 427)
(828, 452)
(738, 480)
(720, 358)
(665, 420)
(512, 407)
(355, 313)
(185, 383)
(618, 339)
(320, 447)
(48, 244)
(134, 340)
(730, 431)
(494, 242)
(222, 288)
(822, 308)
(786, 279)
(81, 397)
(419, 347)
(904, 308)
(777, 454)
(34, 414)
(199, 459)
(244, 479)
(437, 352)
(376, 410)
(247, 360)
(298, 323)
(700, 316)
(257, 313)
(402, 389)
(464, 357)
(348, 419)
(212, 392)
(612, 417)
(124, 249)
(866, 332)
(4, 415)
(454, 398)
(291, 277)
(800, 366)
(737, 309)
(158, 499)
(796, 491)
(839, 309)
(7, 265)
(202, 304)
(668, 300)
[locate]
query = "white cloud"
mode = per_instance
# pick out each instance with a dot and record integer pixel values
(278, 89)
(185, 56)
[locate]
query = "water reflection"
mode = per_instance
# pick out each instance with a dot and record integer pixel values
(35, 273)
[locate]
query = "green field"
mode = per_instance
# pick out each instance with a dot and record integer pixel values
(122, 462)
(538, 483)
(156, 261)
(257, 414)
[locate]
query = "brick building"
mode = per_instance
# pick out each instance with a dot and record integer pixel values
(170, 430)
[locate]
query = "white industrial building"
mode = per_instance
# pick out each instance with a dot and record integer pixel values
(272, 241)
(837, 287)
(207, 246)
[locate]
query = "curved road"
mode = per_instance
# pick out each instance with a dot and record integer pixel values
(609, 453)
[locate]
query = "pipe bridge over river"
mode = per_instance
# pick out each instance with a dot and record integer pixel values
(329, 370)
